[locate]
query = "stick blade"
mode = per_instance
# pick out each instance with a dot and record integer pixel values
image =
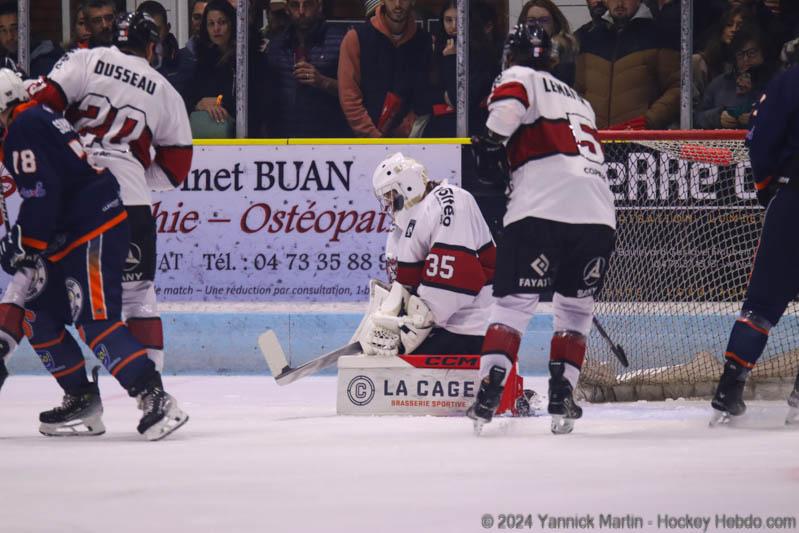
(273, 353)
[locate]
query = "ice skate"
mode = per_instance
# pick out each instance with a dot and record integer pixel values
(488, 397)
(78, 415)
(793, 403)
(727, 403)
(528, 403)
(561, 401)
(161, 414)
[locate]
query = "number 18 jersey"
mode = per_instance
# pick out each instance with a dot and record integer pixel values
(129, 117)
(556, 159)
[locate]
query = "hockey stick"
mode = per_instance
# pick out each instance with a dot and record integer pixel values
(617, 350)
(279, 365)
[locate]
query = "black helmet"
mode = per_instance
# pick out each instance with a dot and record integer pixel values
(530, 45)
(135, 30)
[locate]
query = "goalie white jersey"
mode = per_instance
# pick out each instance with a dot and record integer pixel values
(447, 255)
(130, 118)
(556, 158)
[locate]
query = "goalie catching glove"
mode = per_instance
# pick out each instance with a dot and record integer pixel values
(399, 325)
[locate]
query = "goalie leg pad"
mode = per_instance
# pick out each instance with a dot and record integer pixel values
(748, 339)
(416, 324)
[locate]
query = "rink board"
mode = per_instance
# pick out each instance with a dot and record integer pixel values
(226, 342)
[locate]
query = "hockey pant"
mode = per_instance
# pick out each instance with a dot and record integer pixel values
(139, 305)
(83, 285)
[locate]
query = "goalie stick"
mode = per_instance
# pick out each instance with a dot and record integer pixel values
(617, 350)
(279, 366)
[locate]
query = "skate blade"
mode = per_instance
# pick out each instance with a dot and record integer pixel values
(478, 426)
(89, 427)
(562, 425)
(793, 417)
(173, 420)
(723, 418)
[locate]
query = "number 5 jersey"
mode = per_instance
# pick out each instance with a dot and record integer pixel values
(129, 117)
(556, 159)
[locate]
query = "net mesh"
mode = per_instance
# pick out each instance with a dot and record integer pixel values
(688, 225)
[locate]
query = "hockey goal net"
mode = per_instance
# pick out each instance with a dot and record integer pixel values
(688, 226)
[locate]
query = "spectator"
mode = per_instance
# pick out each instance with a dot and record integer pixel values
(44, 54)
(596, 9)
(717, 57)
(626, 72)
(101, 14)
(547, 14)
(165, 60)
(211, 92)
(301, 69)
(729, 98)
(278, 18)
(443, 75)
(383, 72)
(485, 59)
(80, 30)
(197, 8)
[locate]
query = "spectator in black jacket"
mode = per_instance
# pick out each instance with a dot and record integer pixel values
(44, 54)
(301, 76)
(166, 52)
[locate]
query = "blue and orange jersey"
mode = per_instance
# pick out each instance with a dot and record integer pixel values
(774, 135)
(65, 199)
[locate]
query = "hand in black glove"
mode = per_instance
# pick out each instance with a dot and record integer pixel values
(491, 161)
(765, 194)
(12, 254)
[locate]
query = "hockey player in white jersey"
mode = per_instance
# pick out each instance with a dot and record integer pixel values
(133, 122)
(441, 257)
(559, 228)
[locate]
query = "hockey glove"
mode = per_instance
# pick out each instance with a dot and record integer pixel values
(491, 161)
(12, 254)
(765, 195)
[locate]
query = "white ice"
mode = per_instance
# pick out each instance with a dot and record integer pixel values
(256, 457)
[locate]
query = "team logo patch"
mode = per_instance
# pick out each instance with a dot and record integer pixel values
(47, 360)
(411, 227)
(75, 297)
(540, 265)
(133, 260)
(592, 272)
(102, 353)
(361, 390)
(39, 280)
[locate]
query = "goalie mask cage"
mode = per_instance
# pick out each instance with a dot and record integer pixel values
(688, 224)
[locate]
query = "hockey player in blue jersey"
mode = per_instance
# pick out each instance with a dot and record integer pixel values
(774, 151)
(72, 230)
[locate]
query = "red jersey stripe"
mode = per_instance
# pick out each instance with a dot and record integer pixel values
(513, 90)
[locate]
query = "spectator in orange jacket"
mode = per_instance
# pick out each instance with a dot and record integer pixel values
(383, 72)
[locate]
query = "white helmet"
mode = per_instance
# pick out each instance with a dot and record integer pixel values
(12, 90)
(399, 183)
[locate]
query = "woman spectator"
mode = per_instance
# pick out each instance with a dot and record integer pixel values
(211, 92)
(547, 14)
(717, 56)
(729, 98)
(443, 76)
(80, 30)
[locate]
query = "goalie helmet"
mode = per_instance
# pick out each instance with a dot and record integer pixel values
(529, 45)
(12, 89)
(135, 31)
(399, 183)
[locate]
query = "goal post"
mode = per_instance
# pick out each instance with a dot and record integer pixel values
(688, 224)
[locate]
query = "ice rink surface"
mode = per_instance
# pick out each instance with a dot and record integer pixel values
(256, 457)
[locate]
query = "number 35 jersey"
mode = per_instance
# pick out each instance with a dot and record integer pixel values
(447, 255)
(129, 117)
(556, 159)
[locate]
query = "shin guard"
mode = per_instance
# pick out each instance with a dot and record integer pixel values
(568, 347)
(61, 355)
(121, 354)
(501, 348)
(748, 339)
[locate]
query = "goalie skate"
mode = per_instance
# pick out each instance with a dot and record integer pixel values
(79, 415)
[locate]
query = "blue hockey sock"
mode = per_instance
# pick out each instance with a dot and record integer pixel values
(62, 357)
(747, 340)
(121, 354)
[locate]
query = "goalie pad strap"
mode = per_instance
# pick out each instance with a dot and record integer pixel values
(569, 347)
(148, 331)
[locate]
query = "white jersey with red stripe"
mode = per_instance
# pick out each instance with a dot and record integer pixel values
(447, 255)
(557, 162)
(129, 116)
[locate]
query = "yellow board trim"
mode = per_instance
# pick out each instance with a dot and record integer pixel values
(327, 142)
